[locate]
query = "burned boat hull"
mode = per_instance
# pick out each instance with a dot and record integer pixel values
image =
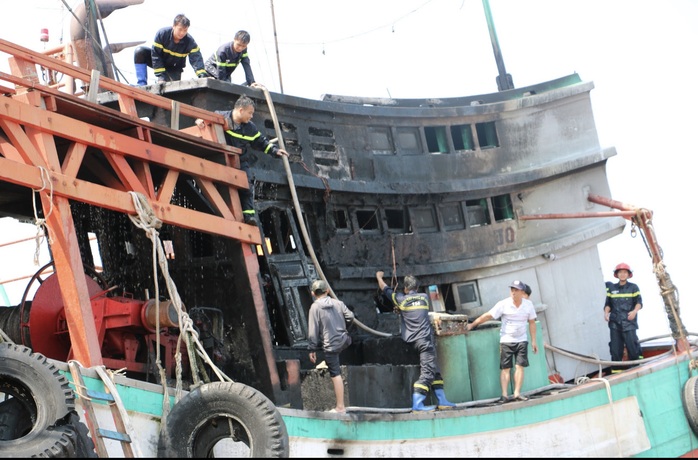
(433, 188)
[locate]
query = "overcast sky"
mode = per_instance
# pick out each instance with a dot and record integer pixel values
(640, 54)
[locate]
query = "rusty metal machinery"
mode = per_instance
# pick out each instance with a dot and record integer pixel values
(127, 328)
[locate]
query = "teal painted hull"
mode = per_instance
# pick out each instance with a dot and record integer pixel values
(638, 413)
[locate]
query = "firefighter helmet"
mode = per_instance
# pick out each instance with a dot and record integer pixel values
(622, 266)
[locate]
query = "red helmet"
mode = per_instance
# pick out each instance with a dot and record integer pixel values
(622, 266)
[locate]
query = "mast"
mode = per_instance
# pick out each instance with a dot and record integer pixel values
(276, 45)
(504, 80)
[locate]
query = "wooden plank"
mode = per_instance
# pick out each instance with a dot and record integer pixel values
(86, 403)
(122, 422)
(65, 250)
(110, 198)
(21, 142)
(39, 91)
(121, 144)
(27, 55)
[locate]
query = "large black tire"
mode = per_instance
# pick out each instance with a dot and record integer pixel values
(689, 398)
(36, 414)
(204, 418)
(84, 446)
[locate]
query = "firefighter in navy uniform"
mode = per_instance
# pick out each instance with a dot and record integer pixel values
(623, 302)
(241, 132)
(168, 55)
(416, 328)
(229, 56)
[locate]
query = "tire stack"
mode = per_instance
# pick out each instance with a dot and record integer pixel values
(37, 409)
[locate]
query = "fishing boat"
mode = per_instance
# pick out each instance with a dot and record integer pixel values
(189, 337)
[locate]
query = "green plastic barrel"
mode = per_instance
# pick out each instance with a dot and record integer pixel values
(483, 359)
(483, 356)
(452, 356)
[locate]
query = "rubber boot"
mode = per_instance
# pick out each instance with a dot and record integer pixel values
(418, 402)
(444, 403)
(142, 74)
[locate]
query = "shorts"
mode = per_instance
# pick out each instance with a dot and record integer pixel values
(332, 359)
(516, 352)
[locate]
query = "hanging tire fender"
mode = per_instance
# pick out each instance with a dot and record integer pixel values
(221, 411)
(37, 417)
(689, 398)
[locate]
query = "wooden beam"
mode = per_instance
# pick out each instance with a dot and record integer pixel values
(107, 140)
(25, 54)
(121, 201)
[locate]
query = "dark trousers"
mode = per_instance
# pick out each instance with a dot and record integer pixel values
(428, 367)
(624, 339)
(247, 196)
(144, 55)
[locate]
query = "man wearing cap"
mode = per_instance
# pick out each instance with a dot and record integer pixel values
(515, 311)
(623, 302)
(327, 331)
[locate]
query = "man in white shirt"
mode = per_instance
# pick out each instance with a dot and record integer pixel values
(515, 312)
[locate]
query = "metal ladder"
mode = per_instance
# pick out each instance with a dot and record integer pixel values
(111, 397)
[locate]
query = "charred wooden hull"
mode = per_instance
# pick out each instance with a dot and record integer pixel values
(433, 188)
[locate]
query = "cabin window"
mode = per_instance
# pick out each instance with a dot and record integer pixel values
(487, 135)
(320, 132)
(502, 208)
(290, 135)
(452, 215)
(287, 128)
(436, 139)
(276, 226)
(324, 147)
(408, 140)
(424, 219)
(466, 295)
(341, 219)
(396, 219)
(446, 291)
(293, 147)
(379, 140)
(367, 219)
(477, 212)
(462, 136)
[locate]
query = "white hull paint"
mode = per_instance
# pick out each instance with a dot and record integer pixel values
(612, 430)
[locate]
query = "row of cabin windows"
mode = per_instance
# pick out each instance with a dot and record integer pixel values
(454, 216)
(461, 137)
(407, 140)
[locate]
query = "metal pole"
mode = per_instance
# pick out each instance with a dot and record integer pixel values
(504, 80)
(276, 44)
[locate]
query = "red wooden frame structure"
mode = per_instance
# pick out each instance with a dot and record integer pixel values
(51, 135)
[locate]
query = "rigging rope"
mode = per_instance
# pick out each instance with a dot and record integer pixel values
(146, 220)
(297, 207)
(41, 229)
